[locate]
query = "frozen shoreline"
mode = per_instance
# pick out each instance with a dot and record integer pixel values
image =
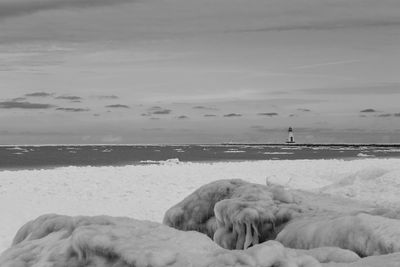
(147, 191)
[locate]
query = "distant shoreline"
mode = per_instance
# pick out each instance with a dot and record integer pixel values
(318, 144)
(220, 144)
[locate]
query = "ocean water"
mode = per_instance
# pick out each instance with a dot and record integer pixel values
(32, 157)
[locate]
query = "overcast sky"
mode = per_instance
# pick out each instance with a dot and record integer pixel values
(199, 71)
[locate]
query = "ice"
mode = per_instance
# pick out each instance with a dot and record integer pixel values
(147, 191)
(329, 254)
(278, 153)
(102, 241)
(234, 151)
(364, 155)
(238, 214)
(372, 184)
(362, 233)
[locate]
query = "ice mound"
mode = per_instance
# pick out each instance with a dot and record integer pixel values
(235, 213)
(238, 214)
(102, 241)
(376, 185)
(362, 233)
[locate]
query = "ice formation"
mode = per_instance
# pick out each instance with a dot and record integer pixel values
(102, 241)
(362, 233)
(26, 194)
(238, 214)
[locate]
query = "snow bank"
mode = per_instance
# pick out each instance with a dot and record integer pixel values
(103, 241)
(147, 191)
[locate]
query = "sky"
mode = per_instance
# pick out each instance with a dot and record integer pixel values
(199, 71)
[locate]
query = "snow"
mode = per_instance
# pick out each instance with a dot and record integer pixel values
(147, 191)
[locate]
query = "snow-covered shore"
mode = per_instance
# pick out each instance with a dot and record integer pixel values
(147, 191)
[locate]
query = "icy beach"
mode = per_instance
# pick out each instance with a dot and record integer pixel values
(146, 192)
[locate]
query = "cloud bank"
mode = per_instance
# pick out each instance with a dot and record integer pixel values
(38, 94)
(23, 105)
(269, 114)
(73, 109)
(69, 97)
(117, 106)
(368, 110)
(10, 9)
(230, 115)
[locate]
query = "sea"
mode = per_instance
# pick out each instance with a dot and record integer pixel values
(52, 156)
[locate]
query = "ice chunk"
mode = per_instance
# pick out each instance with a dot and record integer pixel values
(329, 254)
(362, 233)
(102, 241)
(247, 214)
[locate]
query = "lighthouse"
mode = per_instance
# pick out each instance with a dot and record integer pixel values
(290, 139)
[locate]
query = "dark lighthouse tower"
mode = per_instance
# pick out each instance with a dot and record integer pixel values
(290, 139)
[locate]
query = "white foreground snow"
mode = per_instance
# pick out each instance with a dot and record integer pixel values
(147, 191)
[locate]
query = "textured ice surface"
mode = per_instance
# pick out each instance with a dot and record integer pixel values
(102, 241)
(147, 191)
(238, 214)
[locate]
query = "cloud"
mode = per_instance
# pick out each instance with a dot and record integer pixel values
(368, 110)
(230, 115)
(117, 106)
(162, 111)
(210, 115)
(69, 97)
(23, 105)
(157, 110)
(384, 115)
(182, 117)
(107, 97)
(26, 7)
(270, 114)
(329, 25)
(38, 94)
(153, 129)
(111, 139)
(375, 89)
(73, 109)
(18, 99)
(323, 64)
(263, 129)
(204, 108)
